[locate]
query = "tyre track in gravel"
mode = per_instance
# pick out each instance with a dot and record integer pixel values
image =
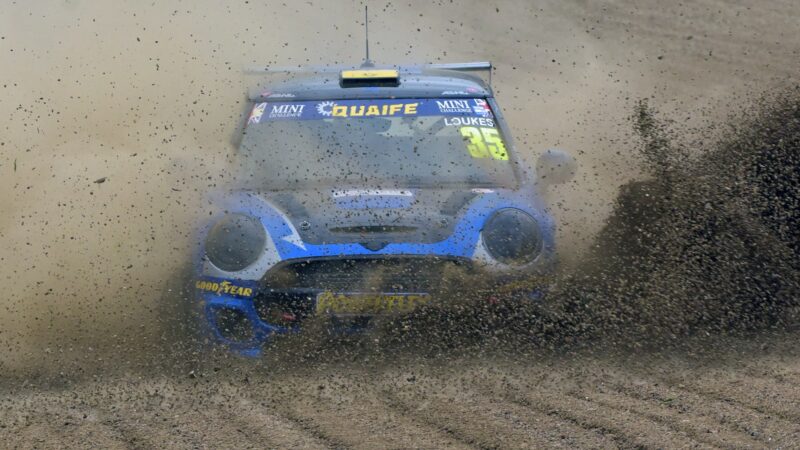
(56, 421)
(486, 419)
(699, 428)
(50, 431)
(720, 403)
(347, 414)
(198, 416)
(759, 395)
(695, 427)
(183, 421)
(765, 429)
(297, 410)
(616, 390)
(616, 423)
(275, 430)
(282, 432)
(581, 403)
(309, 425)
(445, 422)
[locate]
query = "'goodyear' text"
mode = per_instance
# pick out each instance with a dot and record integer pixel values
(224, 288)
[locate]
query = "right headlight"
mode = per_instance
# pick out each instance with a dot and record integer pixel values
(235, 242)
(512, 237)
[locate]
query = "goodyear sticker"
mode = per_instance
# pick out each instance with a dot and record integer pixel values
(236, 288)
(333, 109)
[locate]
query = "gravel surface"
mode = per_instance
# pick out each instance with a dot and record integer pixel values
(143, 97)
(745, 393)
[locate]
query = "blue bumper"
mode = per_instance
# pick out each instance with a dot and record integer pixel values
(238, 298)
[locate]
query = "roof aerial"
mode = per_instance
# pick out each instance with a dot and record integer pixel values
(367, 62)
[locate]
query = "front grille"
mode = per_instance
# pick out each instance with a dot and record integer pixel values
(398, 274)
(284, 308)
(290, 290)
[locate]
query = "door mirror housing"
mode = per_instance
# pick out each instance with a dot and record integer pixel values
(555, 167)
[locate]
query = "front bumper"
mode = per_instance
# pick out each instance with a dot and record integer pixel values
(288, 294)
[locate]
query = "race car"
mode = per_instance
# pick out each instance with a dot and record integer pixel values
(370, 192)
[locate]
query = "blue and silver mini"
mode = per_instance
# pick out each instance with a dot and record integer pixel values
(367, 192)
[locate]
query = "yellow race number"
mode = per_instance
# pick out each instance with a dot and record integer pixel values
(474, 139)
(484, 142)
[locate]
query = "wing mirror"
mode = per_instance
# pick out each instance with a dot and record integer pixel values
(555, 167)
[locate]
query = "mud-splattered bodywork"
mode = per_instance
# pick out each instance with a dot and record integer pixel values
(354, 219)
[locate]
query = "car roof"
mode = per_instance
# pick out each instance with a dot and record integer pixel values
(413, 83)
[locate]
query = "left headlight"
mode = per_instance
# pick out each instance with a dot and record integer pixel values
(235, 242)
(512, 237)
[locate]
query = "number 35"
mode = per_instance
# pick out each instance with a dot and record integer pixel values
(484, 142)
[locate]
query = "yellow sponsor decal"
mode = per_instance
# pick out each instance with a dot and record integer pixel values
(406, 109)
(331, 303)
(223, 287)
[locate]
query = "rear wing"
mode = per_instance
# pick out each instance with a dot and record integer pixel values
(480, 66)
(484, 67)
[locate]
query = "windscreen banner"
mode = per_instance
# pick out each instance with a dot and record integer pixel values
(333, 109)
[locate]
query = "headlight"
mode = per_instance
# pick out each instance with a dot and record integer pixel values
(512, 237)
(235, 242)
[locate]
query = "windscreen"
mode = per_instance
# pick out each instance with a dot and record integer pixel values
(409, 142)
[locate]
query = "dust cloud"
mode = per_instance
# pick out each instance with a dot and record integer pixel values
(118, 118)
